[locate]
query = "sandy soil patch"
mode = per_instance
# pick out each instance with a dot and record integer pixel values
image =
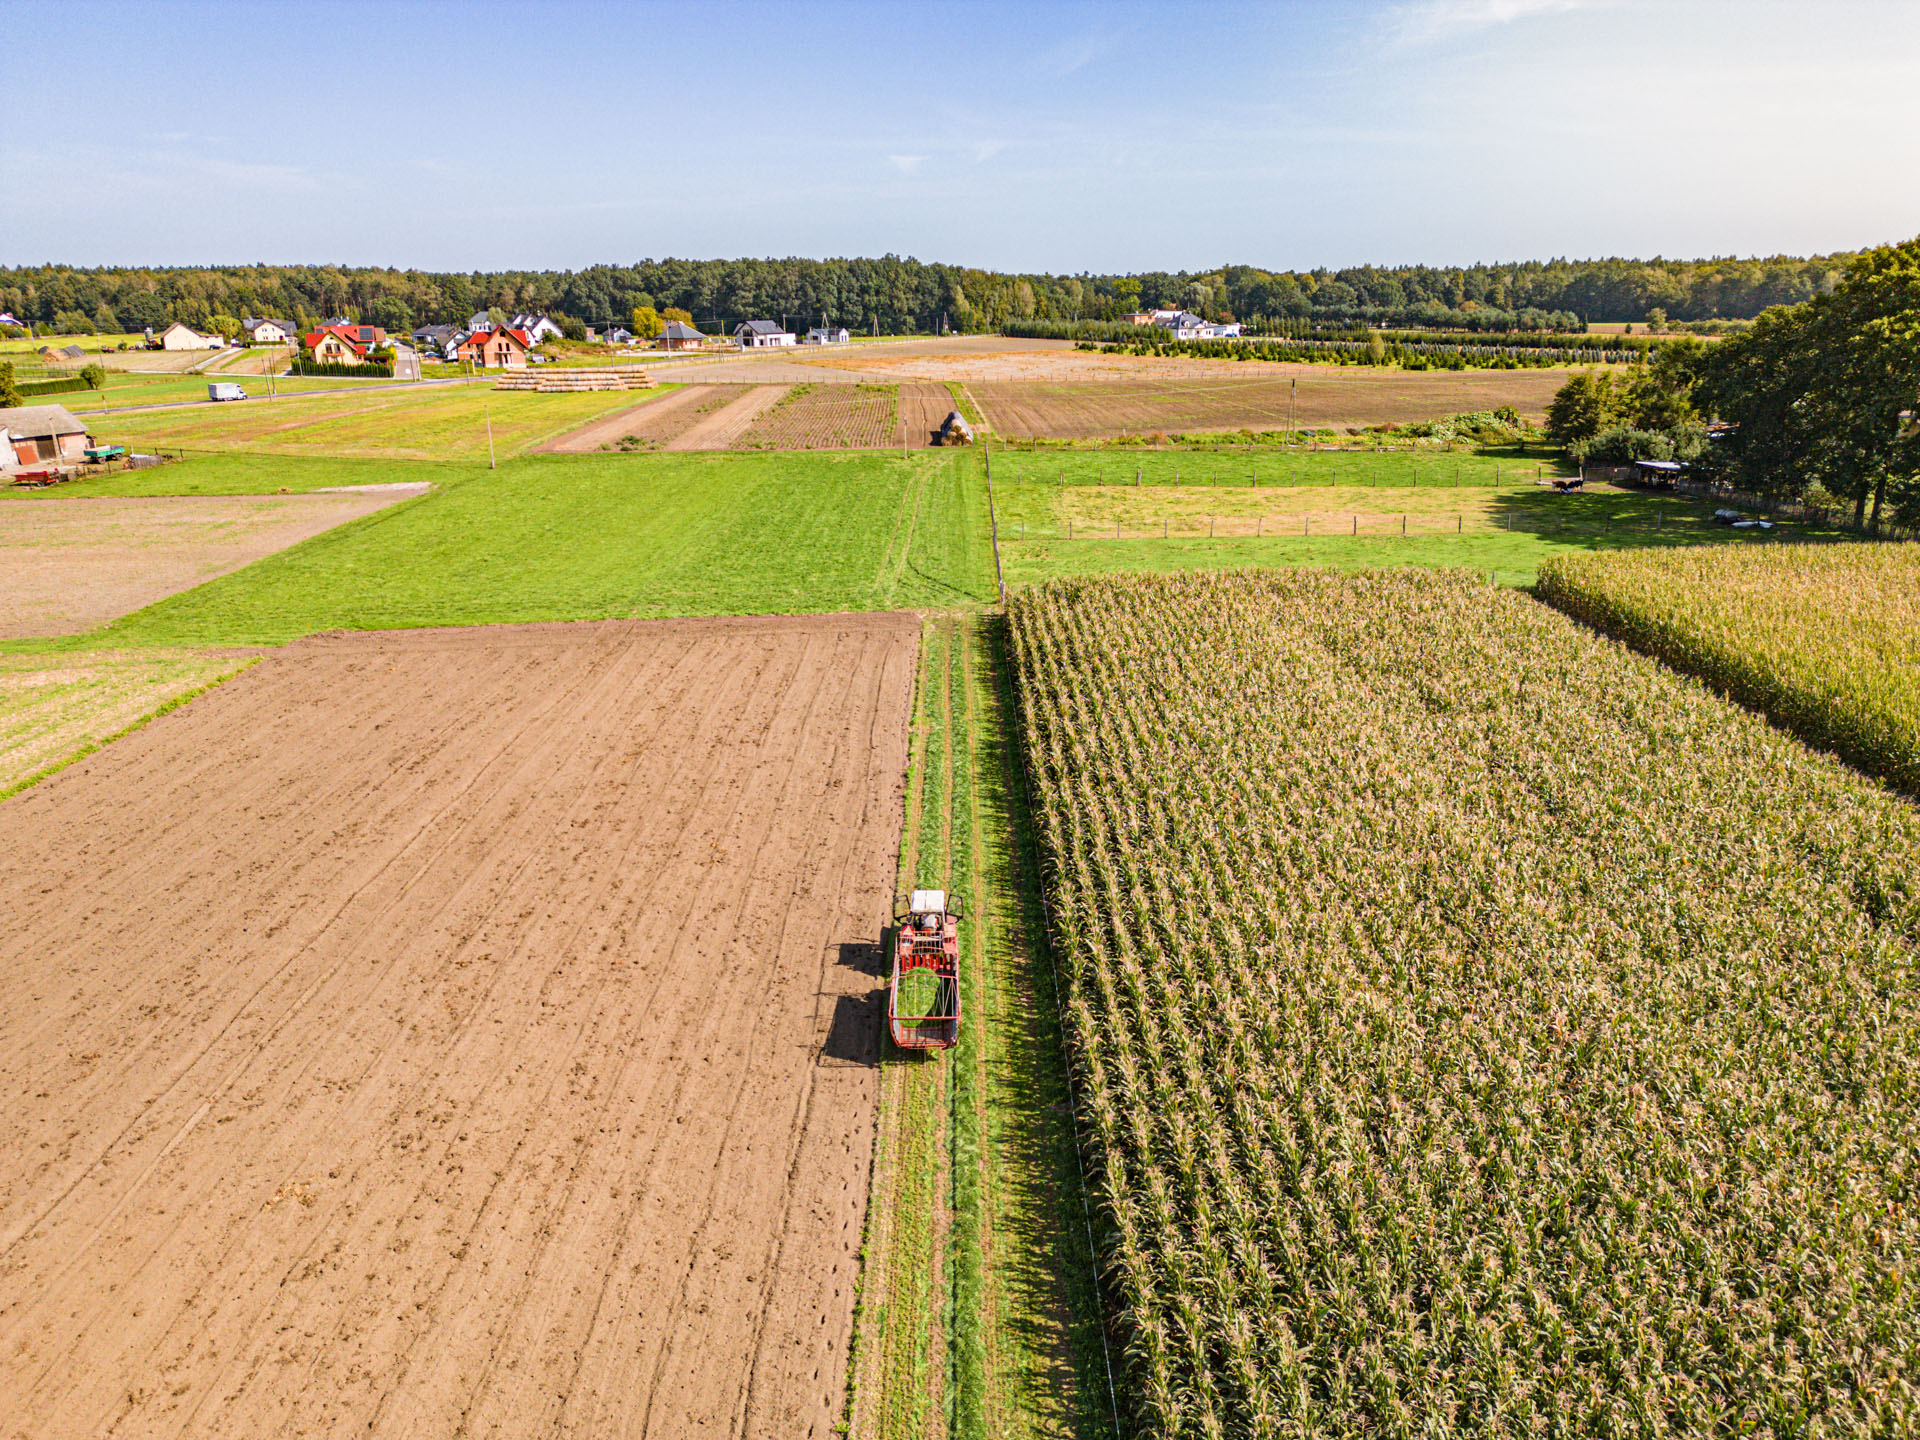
(721, 428)
(70, 563)
(455, 1033)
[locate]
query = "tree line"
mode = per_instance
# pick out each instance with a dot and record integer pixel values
(895, 295)
(1818, 401)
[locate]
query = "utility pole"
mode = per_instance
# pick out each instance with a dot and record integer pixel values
(492, 464)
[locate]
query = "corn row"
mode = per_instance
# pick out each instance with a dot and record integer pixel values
(1481, 1029)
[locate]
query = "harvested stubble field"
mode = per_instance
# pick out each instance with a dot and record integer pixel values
(71, 563)
(432, 422)
(1483, 1029)
(1326, 396)
(455, 1033)
(1824, 640)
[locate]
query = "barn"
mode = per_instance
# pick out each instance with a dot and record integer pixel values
(37, 433)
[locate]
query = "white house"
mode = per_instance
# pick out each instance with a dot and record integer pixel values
(828, 336)
(763, 335)
(535, 327)
(180, 337)
(1185, 325)
(261, 331)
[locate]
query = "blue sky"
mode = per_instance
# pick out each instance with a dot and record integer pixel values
(1036, 136)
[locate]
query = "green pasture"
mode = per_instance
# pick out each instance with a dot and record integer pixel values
(589, 537)
(243, 473)
(1367, 510)
(1248, 467)
(437, 422)
(133, 387)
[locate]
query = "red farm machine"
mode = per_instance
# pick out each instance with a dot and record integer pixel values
(923, 993)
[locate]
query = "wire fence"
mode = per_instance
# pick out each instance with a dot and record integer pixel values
(1654, 527)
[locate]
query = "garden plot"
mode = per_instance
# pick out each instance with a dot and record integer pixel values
(827, 417)
(448, 1033)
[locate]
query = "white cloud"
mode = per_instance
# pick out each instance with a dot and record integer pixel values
(906, 164)
(1431, 20)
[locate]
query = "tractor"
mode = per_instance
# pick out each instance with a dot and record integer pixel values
(923, 994)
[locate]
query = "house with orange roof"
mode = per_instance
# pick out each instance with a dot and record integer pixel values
(503, 348)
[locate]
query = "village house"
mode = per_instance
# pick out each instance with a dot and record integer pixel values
(1185, 325)
(828, 335)
(680, 336)
(261, 331)
(336, 345)
(38, 433)
(439, 339)
(535, 328)
(762, 335)
(492, 349)
(182, 337)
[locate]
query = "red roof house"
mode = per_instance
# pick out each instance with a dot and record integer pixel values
(495, 347)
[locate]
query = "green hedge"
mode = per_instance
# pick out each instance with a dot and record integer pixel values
(372, 370)
(52, 387)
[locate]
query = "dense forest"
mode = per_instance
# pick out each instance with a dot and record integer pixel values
(895, 295)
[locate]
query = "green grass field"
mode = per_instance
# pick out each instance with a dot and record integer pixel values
(441, 422)
(592, 537)
(243, 473)
(1243, 467)
(1384, 510)
(126, 387)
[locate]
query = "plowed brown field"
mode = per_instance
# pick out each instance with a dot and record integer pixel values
(454, 1033)
(1326, 396)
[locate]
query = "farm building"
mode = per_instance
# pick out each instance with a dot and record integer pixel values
(181, 337)
(35, 433)
(680, 336)
(494, 349)
(762, 335)
(831, 335)
(261, 331)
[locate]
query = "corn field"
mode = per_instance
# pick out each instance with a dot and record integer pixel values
(1825, 639)
(1481, 1030)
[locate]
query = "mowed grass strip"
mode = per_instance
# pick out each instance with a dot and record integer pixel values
(1824, 639)
(1232, 467)
(587, 537)
(245, 473)
(437, 422)
(1485, 1030)
(58, 708)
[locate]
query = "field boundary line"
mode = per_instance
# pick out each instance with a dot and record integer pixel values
(93, 747)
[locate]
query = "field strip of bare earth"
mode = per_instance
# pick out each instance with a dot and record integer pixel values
(727, 424)
(641, 420)
(70, 563)
(455, 1033)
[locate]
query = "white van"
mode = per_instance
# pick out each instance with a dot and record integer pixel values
(225, 390)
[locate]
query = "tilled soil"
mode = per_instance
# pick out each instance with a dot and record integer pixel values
(70, 563)
(455, 1033)
(655, 421)
(922, 409)
(718, 429)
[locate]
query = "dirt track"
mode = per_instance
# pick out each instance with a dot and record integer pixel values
(454, 1033)
(647, 420)
(69, 563)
